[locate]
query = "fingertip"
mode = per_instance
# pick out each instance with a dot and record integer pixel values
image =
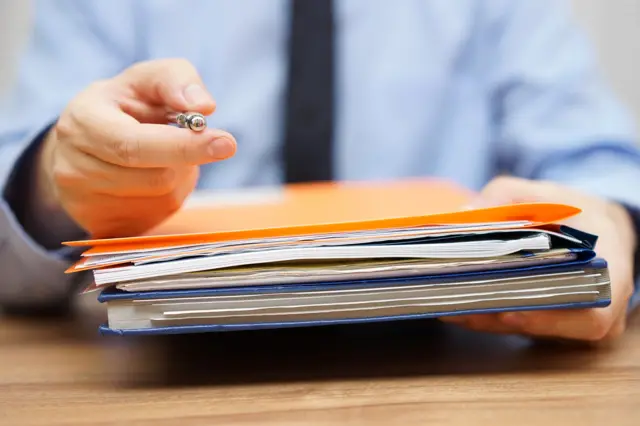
(198, 99)
(222, 147)
(172, 82)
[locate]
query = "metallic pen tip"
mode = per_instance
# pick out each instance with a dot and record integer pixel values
(189, 120)
(196, 122)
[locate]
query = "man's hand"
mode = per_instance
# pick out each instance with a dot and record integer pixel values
(112, 162)
(616, 244)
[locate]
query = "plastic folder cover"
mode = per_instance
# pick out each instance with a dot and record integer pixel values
(329, 208)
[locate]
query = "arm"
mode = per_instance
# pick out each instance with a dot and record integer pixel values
(557, 119)
(563, 138)
(73, 43)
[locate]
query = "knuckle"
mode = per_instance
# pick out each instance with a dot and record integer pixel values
(495, 186)
(98, 86)
(79, 115)
(162, 181)
(161, 87)
(138, 66)
(501, 182)
(547, 184)
(127, 151)
(179, 63)
(164, 65)
(184, 148)
(65, 127)
(176, 70)
(600, 326)
(182, 62)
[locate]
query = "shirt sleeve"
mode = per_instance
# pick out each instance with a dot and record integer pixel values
(558, 119)
(72, 43)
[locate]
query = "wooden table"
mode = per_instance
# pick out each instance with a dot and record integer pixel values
(60, 372)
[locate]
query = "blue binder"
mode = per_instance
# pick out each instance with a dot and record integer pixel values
(586, 260)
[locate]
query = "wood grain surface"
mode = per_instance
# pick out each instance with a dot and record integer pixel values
(60, 372)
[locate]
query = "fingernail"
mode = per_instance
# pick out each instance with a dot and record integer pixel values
(222, 148)
(196, 95)
(514, 319)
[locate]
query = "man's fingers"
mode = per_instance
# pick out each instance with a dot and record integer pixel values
(587, 324)
(76, 169)
(117, 138)
(108, 217)
(513, 188)
(174, 83)
(489, 323)
(594, 324)
(507, 189)
(144, 112)
(156, 145)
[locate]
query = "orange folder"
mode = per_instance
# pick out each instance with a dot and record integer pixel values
(310, 209)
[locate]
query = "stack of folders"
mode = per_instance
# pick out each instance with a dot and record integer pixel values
(342, 253)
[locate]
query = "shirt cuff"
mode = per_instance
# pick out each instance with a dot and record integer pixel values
(634, 212)
(45, 226)
(34, 277)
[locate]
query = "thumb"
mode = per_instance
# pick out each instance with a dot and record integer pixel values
(174, 84)
(507, 190)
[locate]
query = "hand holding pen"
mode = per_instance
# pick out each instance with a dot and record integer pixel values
(112, 162)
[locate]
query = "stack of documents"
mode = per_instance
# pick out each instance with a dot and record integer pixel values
(342, 253)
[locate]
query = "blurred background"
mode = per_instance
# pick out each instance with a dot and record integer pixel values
(611, 24)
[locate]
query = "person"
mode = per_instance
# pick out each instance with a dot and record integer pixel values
(502, 97)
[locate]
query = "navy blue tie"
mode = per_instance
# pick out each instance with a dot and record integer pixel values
(309, 98)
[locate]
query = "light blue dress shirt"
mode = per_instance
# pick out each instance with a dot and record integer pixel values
(461, 89)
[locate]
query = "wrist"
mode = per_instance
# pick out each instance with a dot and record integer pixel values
(42, 215)
(42, 194)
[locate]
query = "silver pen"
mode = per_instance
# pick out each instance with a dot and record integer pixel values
(188, 120)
